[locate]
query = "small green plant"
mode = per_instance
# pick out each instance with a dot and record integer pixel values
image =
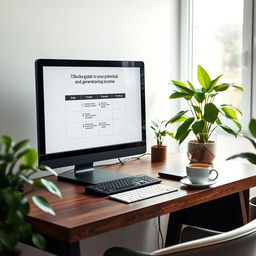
(17, 164)
(159, 128)
(202, 116)
(251, 157)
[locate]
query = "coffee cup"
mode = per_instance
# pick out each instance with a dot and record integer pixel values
(199, 173)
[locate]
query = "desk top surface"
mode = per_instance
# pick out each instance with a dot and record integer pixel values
(79, 215)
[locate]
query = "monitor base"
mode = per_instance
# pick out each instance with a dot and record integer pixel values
(91, 177)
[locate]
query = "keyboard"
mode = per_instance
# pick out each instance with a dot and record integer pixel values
(143, 193)
(121, 185)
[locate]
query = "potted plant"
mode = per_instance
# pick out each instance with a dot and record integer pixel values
(17, 164)
(251, 157)
(158, 151)
(202, 116)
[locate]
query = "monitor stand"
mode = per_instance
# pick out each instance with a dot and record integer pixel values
(86, 174)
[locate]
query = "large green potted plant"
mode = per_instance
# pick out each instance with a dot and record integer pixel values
(17, 164)
(251, 157)
(202, 116)
(158, 151)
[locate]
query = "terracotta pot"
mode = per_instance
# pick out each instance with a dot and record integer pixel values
(158, 153)
(201, 152)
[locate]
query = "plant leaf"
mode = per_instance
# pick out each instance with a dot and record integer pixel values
(229, 113)
(24, 230)
(48, 169)
(210, 113)
(197, 109)
(177, 95)
(24, 206)
(199, 96)
(8, 157)
(179, 83)
(180, 120)
(218, 122)
(251, 140)
(203, 77)
(177, 117)
(191, 86)
(239, 126)
(184, 128)
(252, 127)
(39, 241)
(30, 157)
(213, 94)
(8, 238)
(20, 145)
(50, 186)
(154, 123)
(198, 126)
(7, 142)
(152, 127)
(228, 130)
(184, 136)
(233, 107)
(238, 87)
(171, 134)
(249, 156)
(22, 153)
(221, 87)
(42, 204)
(213, 83)
(26, 179)
(184, 89)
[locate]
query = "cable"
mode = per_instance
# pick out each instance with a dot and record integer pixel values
(121, 162)
(138, 157)
(160, 234)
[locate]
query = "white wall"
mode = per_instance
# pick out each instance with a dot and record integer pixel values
(146, 30)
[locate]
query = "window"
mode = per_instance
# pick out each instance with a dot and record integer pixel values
(219, 35)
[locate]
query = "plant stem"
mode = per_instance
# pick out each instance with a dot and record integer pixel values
(191, 107)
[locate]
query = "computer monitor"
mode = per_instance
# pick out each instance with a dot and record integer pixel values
(89, 111)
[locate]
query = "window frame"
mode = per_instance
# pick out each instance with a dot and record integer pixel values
(253, 48)
(248, 105)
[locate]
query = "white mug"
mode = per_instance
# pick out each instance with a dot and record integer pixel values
(199, 173)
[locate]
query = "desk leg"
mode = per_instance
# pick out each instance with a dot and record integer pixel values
(244, 203)
(63, 248)
(222, 214)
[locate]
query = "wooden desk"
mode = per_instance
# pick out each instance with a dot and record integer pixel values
(80, 216)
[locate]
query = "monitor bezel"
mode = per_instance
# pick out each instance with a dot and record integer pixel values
(83, 156)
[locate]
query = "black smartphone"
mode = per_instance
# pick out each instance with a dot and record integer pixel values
(173, 175)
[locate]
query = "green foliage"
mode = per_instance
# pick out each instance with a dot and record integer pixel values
(252, 127)
(251, 157)
(203, 116)
(160, 131)
(17, 164)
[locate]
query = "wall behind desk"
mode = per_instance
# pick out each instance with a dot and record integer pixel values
(146, 30)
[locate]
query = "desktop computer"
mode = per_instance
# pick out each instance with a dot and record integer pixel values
(87, 111)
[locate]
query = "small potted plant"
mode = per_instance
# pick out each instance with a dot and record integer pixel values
(202, 116)
(17, 164)
(158, 151)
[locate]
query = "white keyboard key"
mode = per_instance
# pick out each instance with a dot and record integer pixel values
(143, 193)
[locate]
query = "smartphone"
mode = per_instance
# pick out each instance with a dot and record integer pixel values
(173, 175)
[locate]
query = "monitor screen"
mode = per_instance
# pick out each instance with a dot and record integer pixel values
(89, 111)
